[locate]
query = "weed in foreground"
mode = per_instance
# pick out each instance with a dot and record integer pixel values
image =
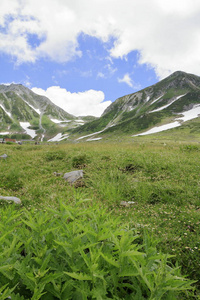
(165, 189)
(81, 252)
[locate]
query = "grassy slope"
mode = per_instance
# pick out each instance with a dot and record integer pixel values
(139, 119)
(162, 180)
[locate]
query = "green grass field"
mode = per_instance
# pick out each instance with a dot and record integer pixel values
(78, 242)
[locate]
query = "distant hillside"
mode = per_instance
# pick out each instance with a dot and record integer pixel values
(173, 103)
(24, 114)
(161, 104)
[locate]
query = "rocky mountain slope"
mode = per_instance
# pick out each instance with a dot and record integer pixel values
(24, 114)
(173, 103)
(169, 103)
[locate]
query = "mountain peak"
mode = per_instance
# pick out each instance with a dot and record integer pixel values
(161, 103)
(19, 105)
(178, 74)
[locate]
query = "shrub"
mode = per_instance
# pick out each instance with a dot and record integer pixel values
(55, 155)
(12, 180)
(189, 148)
(10, 143)
(80, 161)
(81, 252)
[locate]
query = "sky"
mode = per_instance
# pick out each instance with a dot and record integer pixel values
(84, 54)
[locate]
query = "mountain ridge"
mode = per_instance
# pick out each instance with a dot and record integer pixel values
(18, 105)
(167, 103)
(155, 105)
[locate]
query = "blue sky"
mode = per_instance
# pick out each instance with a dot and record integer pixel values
(84, 54)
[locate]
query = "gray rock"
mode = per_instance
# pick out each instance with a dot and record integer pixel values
(4, 156)
(126, 204)
(73, 176)
(14, 199)
(57, 174)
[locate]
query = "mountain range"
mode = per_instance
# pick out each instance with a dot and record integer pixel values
(26, 115)
(169, 106)
(174, 102)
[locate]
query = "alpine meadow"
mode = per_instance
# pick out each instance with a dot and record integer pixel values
(129, 227)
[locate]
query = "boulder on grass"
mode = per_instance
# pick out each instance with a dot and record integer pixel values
(4, 156)
(73, 176)
(14, 199)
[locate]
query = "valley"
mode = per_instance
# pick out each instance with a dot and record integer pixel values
(170, 105)
(119, 231)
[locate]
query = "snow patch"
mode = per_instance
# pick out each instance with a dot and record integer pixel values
(31, 106)
(59, 121)
(25, 126)
(186, 116)
(157, 99)
(160, 128)
(80, 121)
(130, 108)
(165, 106)
(8, 113)
(4, 133)
(190, 114)
(91, 134)
(95, 133)
(95, 139)
(148, 97)
(59, 137)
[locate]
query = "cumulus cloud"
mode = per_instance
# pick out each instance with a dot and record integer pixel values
(86, 103)
(126, 79)
(166, 33)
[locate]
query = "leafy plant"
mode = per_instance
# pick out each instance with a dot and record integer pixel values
(80, 161)
(54, 155)
(160, 178)
(12, 180)
(82, 252)
(189, 148)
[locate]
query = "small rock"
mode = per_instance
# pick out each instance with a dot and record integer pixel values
(73, 176)
(131, 202)
(4, 156)
(57, 174)
(126, 204)
(14, 199)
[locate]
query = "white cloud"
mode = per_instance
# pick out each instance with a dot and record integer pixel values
(101, 75)
(166, 33)
(90, 102)
(126, 79)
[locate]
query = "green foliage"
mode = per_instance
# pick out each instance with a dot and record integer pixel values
(34, 127)
(189, 148)
(171, 93)
(160, 177)
(12, 180)
(102, 122)
(54, 155)
(10, 143)
(15, 127)
(131, 114)
(81, 252)
(186, 101)
(5, 101)
(3, 116)
(80, 161)
(19, 108)
(19, 136)
(49, 125)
